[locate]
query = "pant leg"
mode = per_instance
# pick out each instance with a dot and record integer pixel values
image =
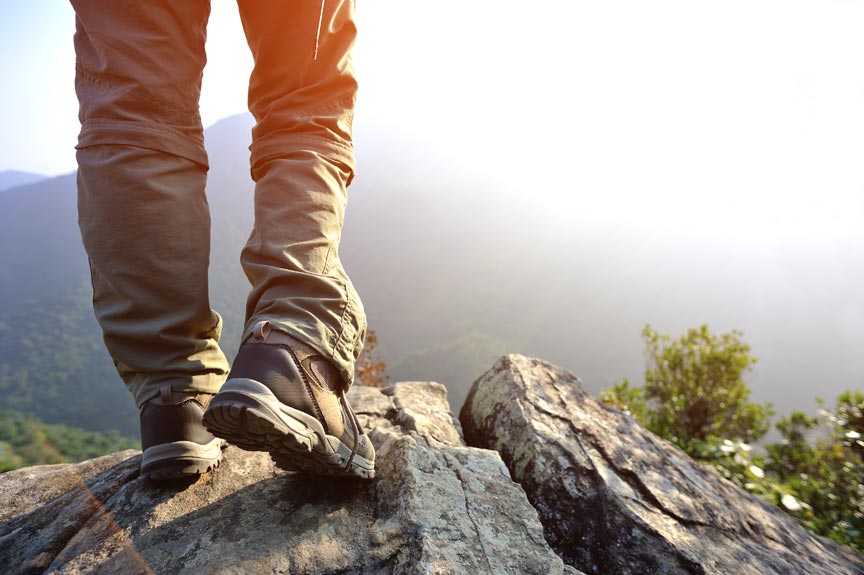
(302, 94)
(142, 167)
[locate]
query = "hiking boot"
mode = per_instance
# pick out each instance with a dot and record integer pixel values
(284, 397)
(175, 443)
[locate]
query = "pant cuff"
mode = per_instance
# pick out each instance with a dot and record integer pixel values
(317, 337)
(143, 391)
(185, 142)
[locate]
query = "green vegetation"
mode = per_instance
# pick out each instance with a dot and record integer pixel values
(26, 442)
(694, 395)
(694, 389)
(54, 366)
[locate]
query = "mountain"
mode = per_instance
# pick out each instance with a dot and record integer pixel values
(53, 365)
(12, 178)
(454, 270)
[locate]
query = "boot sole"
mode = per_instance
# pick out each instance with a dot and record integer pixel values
(247, 414)
(181, 459)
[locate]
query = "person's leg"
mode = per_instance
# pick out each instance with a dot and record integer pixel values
(143, 214)
(302, 162)
(305, 323)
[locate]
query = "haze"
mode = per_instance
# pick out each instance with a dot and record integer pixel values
(715, 142)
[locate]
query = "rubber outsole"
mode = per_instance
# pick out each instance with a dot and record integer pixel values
(182, 467)
(246, 414)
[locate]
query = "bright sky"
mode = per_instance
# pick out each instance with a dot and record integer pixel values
(690, 113)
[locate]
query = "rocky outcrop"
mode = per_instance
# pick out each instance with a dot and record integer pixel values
(614, 498)
(436, 506)
(25, 489)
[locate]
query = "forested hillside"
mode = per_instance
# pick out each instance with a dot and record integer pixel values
(25, 442)
(454, 271)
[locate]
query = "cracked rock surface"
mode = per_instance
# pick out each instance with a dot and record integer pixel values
(436, 506)
(614, 498)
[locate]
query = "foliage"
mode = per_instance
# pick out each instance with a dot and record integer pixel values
(54, 366)
(628, 399)
(821, 461)
(736, 461)
(694, 396)
(26, 442)
(370, 370)
(815, 472)
(694, 389)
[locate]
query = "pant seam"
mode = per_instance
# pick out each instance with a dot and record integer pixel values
(173, 107)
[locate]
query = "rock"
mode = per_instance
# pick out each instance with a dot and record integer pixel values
(30, 487)
(614, 498)
(436, 506)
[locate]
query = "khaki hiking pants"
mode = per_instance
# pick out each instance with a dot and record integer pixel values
(142, 209)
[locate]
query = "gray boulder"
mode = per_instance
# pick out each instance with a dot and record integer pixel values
(614, 498)
(436, 506)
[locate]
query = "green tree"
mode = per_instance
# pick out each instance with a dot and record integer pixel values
(694, 389)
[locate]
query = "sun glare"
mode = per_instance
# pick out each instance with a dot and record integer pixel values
(706, 119)
(229, 64)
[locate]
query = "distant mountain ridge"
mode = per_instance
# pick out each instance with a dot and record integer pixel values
(13, 178)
